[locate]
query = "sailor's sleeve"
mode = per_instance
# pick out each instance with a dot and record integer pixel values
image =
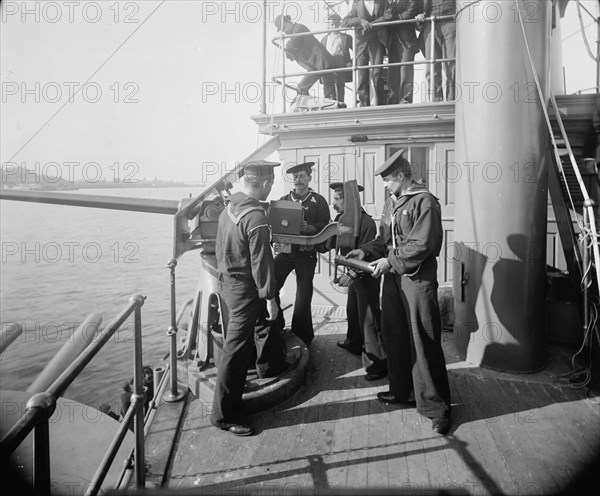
(261, 256)
(420, 244)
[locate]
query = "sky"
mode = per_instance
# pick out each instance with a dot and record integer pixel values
(125, 90)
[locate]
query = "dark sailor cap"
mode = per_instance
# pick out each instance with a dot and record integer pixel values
(279, 21)
(339, 185)
(305, 166)
(392, 164)
(258, 169)
(333, 17)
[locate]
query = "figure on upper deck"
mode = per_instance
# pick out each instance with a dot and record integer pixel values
(371, 45)
(247, 286)
(302, 260)
(402, 48)
(339, 45)
(311, 55)
(444, 46)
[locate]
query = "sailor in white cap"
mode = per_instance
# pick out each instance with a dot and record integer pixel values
(302, 260)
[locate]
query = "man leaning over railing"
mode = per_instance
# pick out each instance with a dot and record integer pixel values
(309, 54)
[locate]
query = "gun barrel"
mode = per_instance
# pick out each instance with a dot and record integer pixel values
(354, 263)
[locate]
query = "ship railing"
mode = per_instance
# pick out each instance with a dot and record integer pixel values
(278, 41)
(8, 335)
(41, 406)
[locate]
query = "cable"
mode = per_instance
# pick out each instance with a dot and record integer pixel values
(582, 29)
(466, 7)
(593, 236)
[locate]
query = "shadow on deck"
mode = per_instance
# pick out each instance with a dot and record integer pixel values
(511, 434)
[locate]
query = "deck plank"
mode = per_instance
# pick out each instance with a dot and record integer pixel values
(479, 453)
(511, 433)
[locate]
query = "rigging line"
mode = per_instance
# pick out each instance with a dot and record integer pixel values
(466, 7)
(591, 216)
(87, 80)
(585, 40)
(585, 8)
(545, 109)
(577, 32)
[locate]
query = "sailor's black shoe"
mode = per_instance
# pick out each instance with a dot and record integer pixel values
(389, 399)
(441, 425)
(345, 345)
(374, 377)
(239, 429)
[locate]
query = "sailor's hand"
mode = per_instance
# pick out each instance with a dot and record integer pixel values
(420, 17)
(366, 25)
(303, 226)
(272, 308)
(357, 253)
(345, 281)
(381, 266)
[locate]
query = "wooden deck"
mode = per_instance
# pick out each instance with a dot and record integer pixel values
(511, 434)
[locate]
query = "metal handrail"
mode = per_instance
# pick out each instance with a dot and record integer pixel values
(8, 335)
(355, 67)
(41, 406)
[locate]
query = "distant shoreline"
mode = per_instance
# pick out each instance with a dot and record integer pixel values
(75, 186)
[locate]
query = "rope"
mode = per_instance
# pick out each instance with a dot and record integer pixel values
(587, 233)
(583, 35)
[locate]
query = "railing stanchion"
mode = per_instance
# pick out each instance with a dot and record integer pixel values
(354, 71)
(138, 389)
(432, 62)
(41, 442)
(174, 395)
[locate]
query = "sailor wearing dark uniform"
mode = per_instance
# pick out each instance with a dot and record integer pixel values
(303, 260)
(247, 286)
(362, 305)
(405, 251)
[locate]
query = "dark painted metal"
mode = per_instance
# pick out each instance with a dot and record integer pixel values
(147, 205)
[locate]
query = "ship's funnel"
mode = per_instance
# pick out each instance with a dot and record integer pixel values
(501, 148)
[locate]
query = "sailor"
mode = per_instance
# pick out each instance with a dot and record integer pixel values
(302, 259)
(247, 287)
(405, 251)
(362, 306)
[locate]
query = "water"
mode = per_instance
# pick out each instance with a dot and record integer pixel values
(60, 263)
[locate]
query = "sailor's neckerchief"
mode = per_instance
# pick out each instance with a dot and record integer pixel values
(300, 199)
